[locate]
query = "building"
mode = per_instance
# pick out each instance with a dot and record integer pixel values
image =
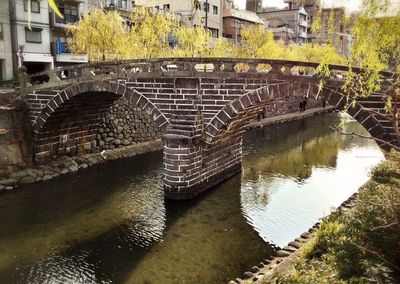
(335, 30)
(30, 43)
(254, 5)
(206, 13)
(283, 33)
(71, 11)
(295, 19)
(6, 70)
(234, 20)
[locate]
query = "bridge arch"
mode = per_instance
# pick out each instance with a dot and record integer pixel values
(69, 121)
(236, 115)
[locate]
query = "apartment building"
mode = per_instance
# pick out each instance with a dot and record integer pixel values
(71, 10)
(335, 30)
(30, 42)
(312, 7)
(205, 13)
(235, 20)
(295, 19)
(6, 70)
(254, 5)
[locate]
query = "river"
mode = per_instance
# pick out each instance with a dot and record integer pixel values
(111, 224)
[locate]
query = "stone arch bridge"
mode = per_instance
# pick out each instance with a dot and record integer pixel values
(202, 105)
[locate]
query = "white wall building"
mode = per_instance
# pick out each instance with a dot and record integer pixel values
(30, 44)
(6, 70)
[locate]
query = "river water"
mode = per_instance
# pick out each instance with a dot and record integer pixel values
(111, 224)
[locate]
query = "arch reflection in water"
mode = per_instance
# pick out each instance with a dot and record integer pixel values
(305, 171)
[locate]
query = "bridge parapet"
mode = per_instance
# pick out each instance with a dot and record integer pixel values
(173, 67)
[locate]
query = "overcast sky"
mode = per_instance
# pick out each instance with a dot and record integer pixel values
(351, 5)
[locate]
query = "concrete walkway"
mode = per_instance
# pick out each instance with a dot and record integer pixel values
(289, 117)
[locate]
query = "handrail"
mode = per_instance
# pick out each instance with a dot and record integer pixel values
(203, 60)
(154, 65)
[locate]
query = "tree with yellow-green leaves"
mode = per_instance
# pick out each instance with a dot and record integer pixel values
(223, 48)
(258, 42)
(151, 34)
(376, 47)
(192, 42)
(100, 34)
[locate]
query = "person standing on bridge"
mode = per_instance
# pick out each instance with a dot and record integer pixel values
(301, 105)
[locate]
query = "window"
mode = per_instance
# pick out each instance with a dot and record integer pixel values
(215, 10)
(34, 35)
(214, 32)
(70, 13)
(157, 7)
(122, 4)
(206, 7)
(1, 31)
(166, 7)
(35, 6)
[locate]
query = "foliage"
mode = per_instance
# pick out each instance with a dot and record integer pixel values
(259, 43)
(361, 244)
(151, 33)
(100, 34)
(193, 42)
(376, 47)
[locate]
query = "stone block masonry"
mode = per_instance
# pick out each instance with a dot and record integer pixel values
(15, 138)
(124, 125)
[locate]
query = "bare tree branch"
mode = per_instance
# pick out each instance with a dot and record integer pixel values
(367, 137)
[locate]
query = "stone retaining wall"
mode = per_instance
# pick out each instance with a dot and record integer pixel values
(65, 164)
(124, 125)
(15, 141)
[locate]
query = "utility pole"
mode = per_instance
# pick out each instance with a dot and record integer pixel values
(206, 10)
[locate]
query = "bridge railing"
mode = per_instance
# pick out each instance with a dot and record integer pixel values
(174, 67)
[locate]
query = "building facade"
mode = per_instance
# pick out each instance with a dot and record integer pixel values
(335, 30)
(6, 69)
(294, 19)
(30, 42)
(71, 10)
(205, 13)
(235, 20)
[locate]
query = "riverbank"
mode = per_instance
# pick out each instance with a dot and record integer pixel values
(66, 165)
(358, 242)
(289, 117)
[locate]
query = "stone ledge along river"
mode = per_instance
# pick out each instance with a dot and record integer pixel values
(111, 224)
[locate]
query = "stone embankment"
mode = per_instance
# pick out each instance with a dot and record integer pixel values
(270, 268)
(65, 165)
(124, 125)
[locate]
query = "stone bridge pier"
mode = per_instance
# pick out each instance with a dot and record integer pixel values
(202, 107)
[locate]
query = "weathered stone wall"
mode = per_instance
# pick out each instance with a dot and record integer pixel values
(124, 125)
(15, 140)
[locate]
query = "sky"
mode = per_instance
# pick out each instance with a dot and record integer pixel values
(351, 5)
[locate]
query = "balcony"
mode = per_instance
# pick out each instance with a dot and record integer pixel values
(64, 56)
(68, 19)
(303, 23)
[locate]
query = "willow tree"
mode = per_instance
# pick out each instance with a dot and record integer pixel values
(152, 34)
(376, 47)
(259, 43)
(100, 34)
(222, 47)
(192, 42)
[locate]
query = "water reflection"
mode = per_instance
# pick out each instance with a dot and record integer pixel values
(301, 175)
(110, 224)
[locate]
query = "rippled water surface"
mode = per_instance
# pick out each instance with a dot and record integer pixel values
(110, 223)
